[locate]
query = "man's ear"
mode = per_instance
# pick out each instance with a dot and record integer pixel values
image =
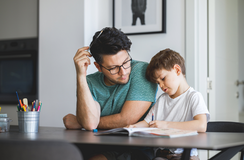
(177, 69)
(98, 66)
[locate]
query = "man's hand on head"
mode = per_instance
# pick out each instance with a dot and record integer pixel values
(82, 60)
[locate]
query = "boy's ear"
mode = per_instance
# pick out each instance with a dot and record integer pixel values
(177, 69)
(98, 66)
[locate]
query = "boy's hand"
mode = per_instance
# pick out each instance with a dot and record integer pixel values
(158, 124)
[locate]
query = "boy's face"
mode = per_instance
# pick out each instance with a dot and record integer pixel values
(169, 81)
(112, 61)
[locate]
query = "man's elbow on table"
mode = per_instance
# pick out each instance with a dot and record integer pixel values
(89, 125)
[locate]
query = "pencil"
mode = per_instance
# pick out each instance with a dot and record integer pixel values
(18, 98)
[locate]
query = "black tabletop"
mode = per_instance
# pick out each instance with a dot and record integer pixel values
(208, 141)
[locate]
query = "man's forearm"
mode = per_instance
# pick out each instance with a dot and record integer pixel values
(128, 115)
(88, 112)
(111, 121)
(115, 121)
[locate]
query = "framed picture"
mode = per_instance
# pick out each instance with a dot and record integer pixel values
(139, 16)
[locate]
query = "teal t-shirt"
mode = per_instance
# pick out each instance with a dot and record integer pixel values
(112, 98)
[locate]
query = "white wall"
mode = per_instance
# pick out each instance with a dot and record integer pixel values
(65, 26)
(18, 19)
(61, 33)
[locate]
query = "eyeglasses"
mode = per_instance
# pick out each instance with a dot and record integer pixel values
(115, 70)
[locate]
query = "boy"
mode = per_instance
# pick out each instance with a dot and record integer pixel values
(180, 106)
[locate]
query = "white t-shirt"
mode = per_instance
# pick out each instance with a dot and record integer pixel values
(180, 109)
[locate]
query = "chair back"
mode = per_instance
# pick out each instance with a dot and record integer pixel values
(38, 150)
(225, 126)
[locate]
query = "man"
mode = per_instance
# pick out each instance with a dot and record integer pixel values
(118, 94)
(115, 96)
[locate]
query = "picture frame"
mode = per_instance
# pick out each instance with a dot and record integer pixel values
(132, 18)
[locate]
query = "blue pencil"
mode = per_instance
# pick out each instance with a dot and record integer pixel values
(18, 98)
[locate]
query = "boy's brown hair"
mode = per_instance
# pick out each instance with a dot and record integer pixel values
(165, 59)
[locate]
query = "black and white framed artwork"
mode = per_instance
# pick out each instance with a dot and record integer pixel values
(140, 16)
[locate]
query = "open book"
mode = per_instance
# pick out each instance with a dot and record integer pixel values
(149, 132)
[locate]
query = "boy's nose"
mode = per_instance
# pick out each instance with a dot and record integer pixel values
(161, 84)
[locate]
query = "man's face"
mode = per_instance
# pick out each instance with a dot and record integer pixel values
(112, 61)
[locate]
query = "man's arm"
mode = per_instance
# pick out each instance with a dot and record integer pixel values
(131, 112)
(88, 110)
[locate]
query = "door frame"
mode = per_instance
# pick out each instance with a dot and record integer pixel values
(196, 42)
(196, 50)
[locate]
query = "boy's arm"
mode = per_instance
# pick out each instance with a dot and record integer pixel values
(131, 112)
(199, 123)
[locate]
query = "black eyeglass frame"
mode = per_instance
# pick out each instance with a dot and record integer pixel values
(118, 66)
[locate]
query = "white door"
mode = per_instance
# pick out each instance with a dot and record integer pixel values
(215, 49)
(225, 41)
(241, 59)
(223, 59)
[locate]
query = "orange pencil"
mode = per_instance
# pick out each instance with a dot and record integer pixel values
(20, 103)
(22, 106)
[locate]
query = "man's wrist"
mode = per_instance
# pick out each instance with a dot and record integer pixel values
(81, 78)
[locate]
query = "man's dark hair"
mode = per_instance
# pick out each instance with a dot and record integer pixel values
(108, 41)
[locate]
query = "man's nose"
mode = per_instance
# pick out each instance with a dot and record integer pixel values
(122, 71)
